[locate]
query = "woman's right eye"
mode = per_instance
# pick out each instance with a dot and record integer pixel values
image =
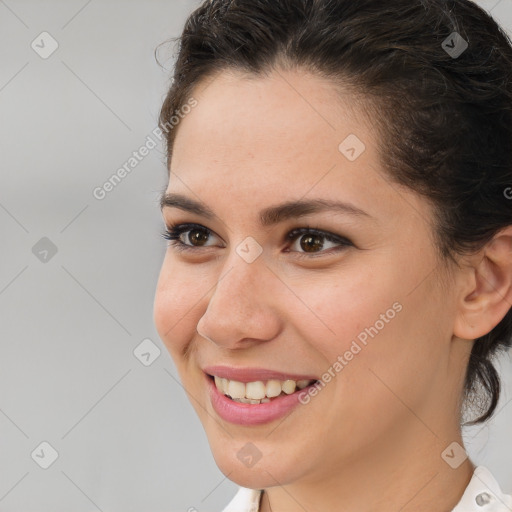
(187, 236)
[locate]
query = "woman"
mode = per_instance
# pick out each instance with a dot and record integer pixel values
(339, 269)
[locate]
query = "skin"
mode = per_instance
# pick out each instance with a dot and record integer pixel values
(372, 439)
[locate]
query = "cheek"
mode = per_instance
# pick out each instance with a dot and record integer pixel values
(176, 307)
(336, 310)
(398, 360)
(367, 322)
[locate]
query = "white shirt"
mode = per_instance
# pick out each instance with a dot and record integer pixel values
(483, 494)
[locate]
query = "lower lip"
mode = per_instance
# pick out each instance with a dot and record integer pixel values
(251, 414)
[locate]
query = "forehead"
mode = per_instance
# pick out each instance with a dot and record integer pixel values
(286, 114)
(277, 114)
(265, 139)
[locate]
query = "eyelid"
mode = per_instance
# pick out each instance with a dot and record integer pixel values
(306, 230)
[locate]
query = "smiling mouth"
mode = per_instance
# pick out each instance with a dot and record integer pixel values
(258, 392)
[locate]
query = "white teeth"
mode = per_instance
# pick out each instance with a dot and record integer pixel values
(255, 390)
(236, 389)
(289, 386)
(301, 384)
(258, 391)
(273, 388)
(251, 401)
(247, 401)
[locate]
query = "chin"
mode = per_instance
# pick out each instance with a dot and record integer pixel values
(260, 476)
(256, 465)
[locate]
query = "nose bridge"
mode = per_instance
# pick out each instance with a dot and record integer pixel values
(239, 307)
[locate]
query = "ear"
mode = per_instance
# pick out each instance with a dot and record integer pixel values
(487, 290)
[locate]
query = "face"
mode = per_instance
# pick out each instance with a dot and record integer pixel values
(252, 291)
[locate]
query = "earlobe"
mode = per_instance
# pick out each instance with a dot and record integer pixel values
(489, 281)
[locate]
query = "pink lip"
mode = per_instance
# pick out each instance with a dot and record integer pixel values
(251, 414)
(253, 374)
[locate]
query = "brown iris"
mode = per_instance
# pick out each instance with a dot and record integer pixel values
(197, 237)
(310, 243)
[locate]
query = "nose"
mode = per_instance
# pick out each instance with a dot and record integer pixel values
(242, 309)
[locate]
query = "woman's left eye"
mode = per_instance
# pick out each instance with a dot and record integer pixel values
(315, 241)
(305, 241)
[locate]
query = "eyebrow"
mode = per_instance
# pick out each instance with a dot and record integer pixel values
(270, 215)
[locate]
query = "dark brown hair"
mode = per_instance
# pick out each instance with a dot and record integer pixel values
(443, 110)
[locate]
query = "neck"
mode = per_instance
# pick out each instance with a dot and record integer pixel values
(405, 473)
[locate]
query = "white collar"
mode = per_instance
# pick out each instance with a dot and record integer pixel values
(245, 500)
(483, 494)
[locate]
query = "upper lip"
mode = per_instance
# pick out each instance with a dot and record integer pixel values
(252, 374)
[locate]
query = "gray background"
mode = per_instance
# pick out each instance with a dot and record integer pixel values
(127, 439)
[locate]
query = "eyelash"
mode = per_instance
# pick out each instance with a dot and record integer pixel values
(174, 231)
